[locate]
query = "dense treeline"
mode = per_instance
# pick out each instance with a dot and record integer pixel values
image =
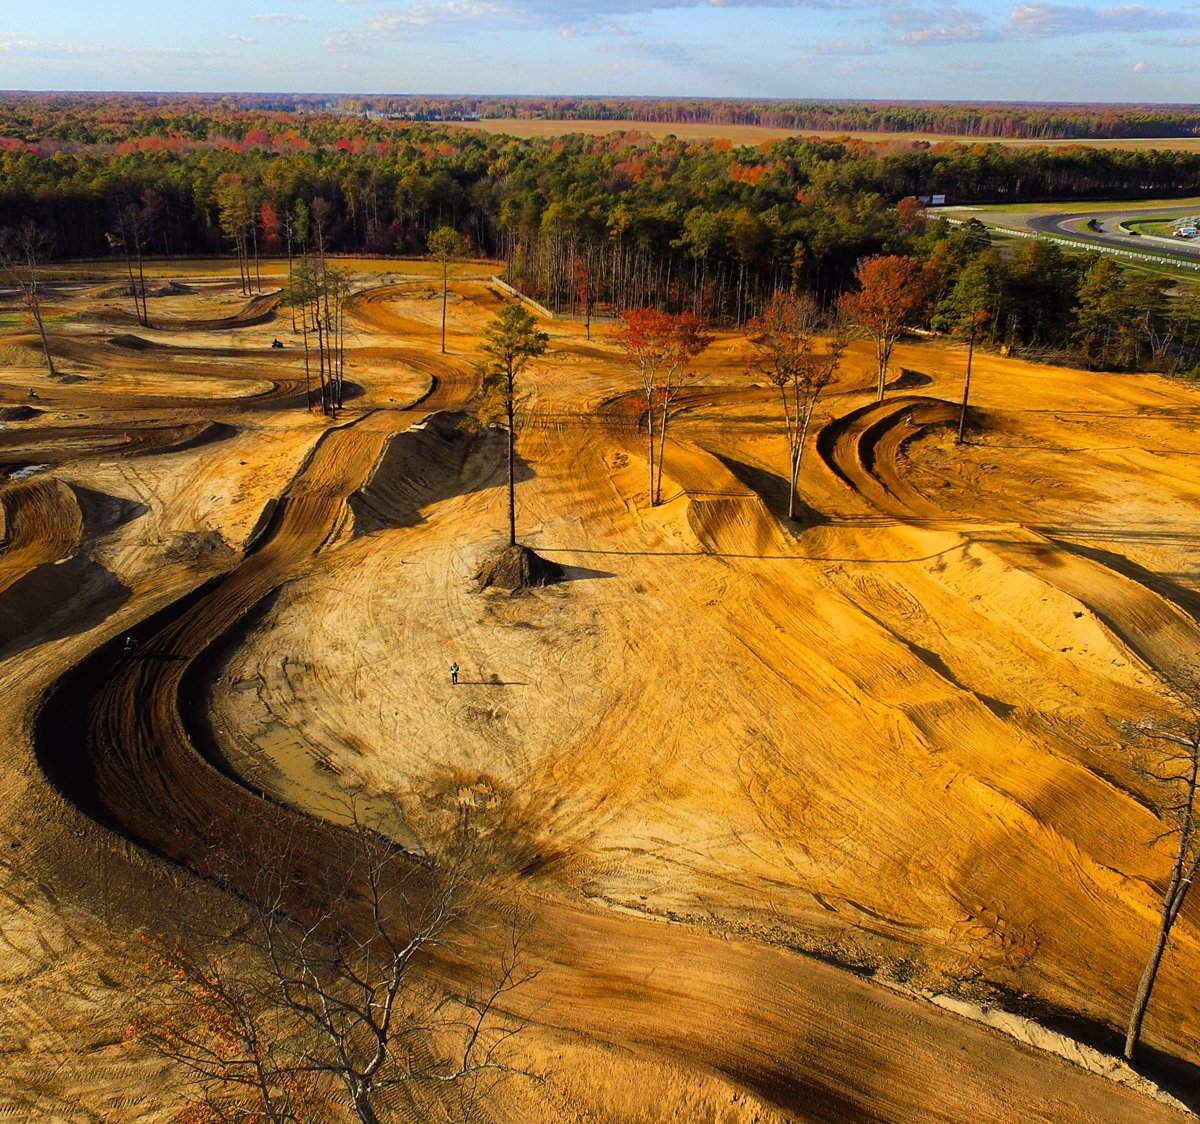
(582, 222)
(55, 116)
(984, 119)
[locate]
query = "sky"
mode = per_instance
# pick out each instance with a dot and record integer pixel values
(995, 50)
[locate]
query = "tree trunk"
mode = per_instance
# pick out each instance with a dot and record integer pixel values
(307, 362)
(662, 452)
(35, 308)
(650, 440)
(510, 409)
(445, 286)
(254, 242)
(1146, 984)
(144, 317)
(962, 414)
(362, 1106)
(794, 475)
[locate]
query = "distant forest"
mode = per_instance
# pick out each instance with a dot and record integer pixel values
(1015, 120)
(582, 222)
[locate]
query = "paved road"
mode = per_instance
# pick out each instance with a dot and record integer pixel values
(1109, 232)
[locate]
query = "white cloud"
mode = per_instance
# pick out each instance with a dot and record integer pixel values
(1041, 20)
(396, 19)
(939, 25)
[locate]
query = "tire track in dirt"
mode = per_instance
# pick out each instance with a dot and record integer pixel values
(1145, 623)
(127, 740)
(42, 522)
(1151, 619)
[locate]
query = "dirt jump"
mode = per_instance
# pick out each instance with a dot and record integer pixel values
(827, 820)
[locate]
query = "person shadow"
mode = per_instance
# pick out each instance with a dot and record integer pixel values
(491, 681)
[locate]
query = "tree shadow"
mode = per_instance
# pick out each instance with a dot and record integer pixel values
(56, 600)
(495, 682)
(772, 489)
(1175, 1075)
(581, 573)
(909, 380)
(427, 464)
(103, 513)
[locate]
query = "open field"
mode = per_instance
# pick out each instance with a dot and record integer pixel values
(804, 820)
(758, 134)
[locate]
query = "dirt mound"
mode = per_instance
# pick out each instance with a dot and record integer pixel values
(131, 342)
(18, 413)
(163, 289)
(517, 567)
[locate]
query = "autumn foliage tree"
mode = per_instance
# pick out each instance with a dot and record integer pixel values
(787, 351)
(660, 346)
(892, 291)
(510, 341)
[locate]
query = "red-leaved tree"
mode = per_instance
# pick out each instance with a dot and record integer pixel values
(891, 293)
(661, 347)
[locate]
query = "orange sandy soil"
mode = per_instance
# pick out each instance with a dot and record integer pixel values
(730, 768)
(758, 134)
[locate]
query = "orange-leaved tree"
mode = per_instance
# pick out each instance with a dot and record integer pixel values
(892, 291)
(661, 347)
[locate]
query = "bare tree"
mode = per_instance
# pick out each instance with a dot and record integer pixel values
(129, 237)
(23, 248)
(304, 1000)
(786, 350)
(298, 294)
(319, 292)
(1169, 757)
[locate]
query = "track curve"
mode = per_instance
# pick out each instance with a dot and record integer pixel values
(126, 739)
(1151, 617)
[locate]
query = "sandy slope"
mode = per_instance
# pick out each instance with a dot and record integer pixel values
(885, 740)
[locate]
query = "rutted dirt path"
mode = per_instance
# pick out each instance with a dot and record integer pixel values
(614, 777)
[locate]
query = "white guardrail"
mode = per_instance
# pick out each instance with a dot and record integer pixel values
(1092, 247)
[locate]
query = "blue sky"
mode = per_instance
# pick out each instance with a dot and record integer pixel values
(915, 49)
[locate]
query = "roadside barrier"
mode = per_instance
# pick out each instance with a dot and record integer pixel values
(540, 309)
(1092, 247)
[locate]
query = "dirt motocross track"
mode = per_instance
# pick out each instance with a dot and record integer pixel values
(802, 821)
